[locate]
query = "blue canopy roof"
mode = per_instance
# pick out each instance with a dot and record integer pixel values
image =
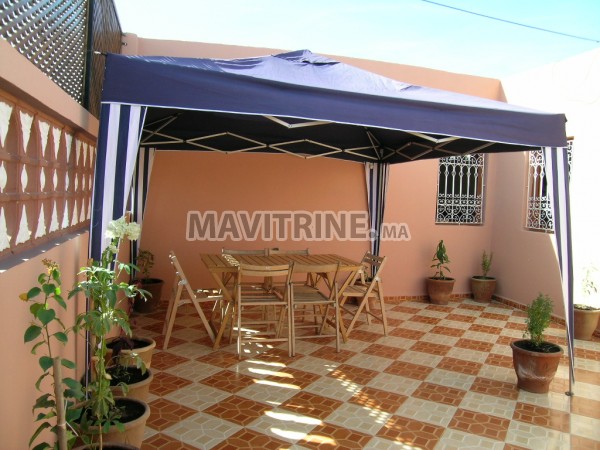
(257, 104)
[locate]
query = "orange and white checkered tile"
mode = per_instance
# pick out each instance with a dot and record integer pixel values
(441, 379)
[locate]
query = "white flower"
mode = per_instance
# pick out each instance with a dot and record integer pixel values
(133, 231)
(116, 228)
(120, 228)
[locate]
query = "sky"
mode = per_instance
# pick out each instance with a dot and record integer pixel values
(414, 32)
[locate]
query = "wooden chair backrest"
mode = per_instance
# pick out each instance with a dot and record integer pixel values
(250, 270)
(371, 265)
(278, 251)
(231, 251)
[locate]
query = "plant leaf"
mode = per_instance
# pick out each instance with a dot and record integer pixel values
(45, 362)
(33, 292)
(67, 363)
(62, 337)
(46, 316)
(32, 332)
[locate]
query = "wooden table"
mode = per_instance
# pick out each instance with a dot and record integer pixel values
(224, 267)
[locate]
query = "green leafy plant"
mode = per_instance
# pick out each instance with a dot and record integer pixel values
(539, 315)
(440, 257)
(486, 263)
(102, 286)
(145, 262)
(56, 410)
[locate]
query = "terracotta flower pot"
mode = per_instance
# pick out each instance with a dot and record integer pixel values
(535, 370)
(439, 290)
(134, 415)
(138, 384)
(585, 323)
(483, 288)
(142, 346)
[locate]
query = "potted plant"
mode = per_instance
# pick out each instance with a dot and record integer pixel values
(57, 410)
(535, 360)
(586, 315)
(129, 375)
(104, 417)
(483, 286)
(152, 286)
(439, 286)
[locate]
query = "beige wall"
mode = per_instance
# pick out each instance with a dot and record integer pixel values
(572, 86)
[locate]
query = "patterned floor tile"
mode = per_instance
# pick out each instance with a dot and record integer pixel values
(447, 331)
(329, 355)
(376, 399)
(164, 360)
(272, 393)
(228, 381)
(197, 396)
(311, 405)
(411, 433)
(496, 388)
(220, 358)
(328, 436)
(295, 378)
(459, 365)
(406, 333)
(585, 407)
(367, 361)
(438, 414)
(202, 430)
(162, 441)
(451, 379)
(534, 437)
(442, 379)
(347, 373)
(439, 394)
(394, 383)
(488, 404)
(492, 427)
(165, 383)
(238, 410)
(164, 413)
(409, 370)
(358, 418)
(459, 440)
(431, 348)
(541, 416)
(250, 440)
(383, 351)
(193, 370)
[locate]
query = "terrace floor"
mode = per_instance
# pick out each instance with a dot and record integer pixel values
(441, 379)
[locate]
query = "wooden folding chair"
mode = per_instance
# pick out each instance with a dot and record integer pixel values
(363, 287)
(183, 294)
(310, 302)
(228, 278)
(254, 323)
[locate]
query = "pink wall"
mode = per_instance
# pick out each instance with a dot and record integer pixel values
(21, 372)
(204, 181)
(19, 273)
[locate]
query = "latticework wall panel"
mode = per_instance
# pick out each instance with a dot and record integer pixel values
(46, 176)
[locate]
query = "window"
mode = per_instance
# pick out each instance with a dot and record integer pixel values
(460, 189)
(539, 202)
